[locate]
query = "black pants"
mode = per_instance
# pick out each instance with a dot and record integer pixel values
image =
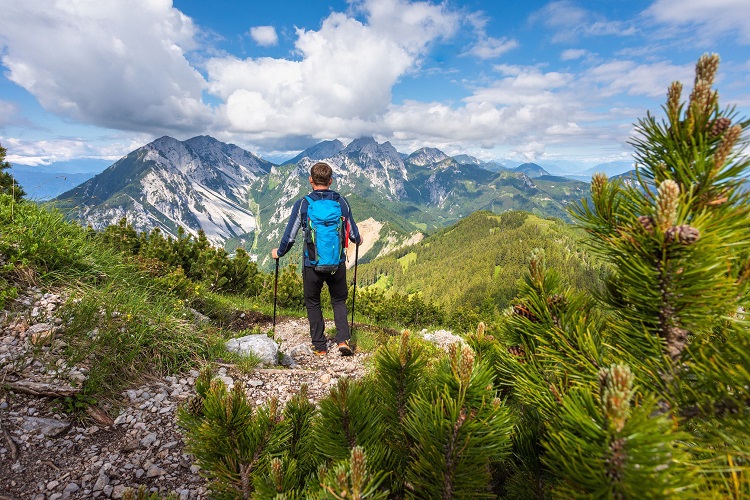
(313, 284)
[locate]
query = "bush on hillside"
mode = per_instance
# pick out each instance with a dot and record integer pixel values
(195, 257)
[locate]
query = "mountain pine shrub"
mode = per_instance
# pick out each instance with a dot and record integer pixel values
(186, 256)
(411, 429)
(231, 440)
(8, 184)
(643, 388)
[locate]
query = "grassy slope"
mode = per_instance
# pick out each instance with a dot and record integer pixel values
(118, 319)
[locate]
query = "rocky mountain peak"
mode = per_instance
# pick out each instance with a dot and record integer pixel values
(426, 156)
(320, 151)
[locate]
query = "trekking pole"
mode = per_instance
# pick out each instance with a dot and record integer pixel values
(354, 292)
(275, 289)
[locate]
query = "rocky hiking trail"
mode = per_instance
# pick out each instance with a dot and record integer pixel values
(46, 453)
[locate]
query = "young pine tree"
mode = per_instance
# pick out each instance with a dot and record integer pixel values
(670, 321)
(8, 184)
(677, 238)
(458, 429)
(229, 439)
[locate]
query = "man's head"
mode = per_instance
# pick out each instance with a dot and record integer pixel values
(321, 174)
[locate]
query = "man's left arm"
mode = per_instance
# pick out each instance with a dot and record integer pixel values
(354, 235)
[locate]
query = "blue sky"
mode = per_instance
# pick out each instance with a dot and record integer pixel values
(561, 81)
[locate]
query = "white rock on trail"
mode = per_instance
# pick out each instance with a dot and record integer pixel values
(259, 345)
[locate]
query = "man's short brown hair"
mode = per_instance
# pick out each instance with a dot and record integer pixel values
(321, 173)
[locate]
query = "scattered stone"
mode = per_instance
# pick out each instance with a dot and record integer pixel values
(49, 427)
(101, 482)
(130, 446)
(228, 381)
(155, 471)
(442, 338)
(100, 459)
(118, 491)
(259, 345)
(70, 489)
(287, 360)
(301, 350)
(149, 440)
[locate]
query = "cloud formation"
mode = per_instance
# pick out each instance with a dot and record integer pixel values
(264, 36)
(44, 152)
(341, 84)
(141, 67)
(713, 18)
(114, 64)
(570, 22)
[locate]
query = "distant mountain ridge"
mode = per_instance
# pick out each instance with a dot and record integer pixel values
(237, 198)
(200, 184)
(531, 169)
(320, 151)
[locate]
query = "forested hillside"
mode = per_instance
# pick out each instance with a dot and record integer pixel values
(479, 262)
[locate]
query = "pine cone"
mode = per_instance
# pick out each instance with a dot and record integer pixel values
(522, 310)
(647, 222)
(557, 301)
(677, 339)
(194, 405)
(517, 351)
(719, 126)
(683, 234)
(616, 460)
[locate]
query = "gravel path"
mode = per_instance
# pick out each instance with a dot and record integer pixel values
(45, 454)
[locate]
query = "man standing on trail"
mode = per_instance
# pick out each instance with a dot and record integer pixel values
(313, 273)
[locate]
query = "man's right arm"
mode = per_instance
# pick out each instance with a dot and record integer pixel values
(292, 227)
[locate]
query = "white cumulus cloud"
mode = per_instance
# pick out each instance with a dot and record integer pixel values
(490, 47)
(340, 85)
(631, 78)
(264, 35)
(115, 64)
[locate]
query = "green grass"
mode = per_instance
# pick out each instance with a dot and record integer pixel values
(384, 282)
(407, 259)
(117, 321)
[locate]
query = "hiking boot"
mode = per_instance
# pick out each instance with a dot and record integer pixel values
(319, 353)
(345, 349)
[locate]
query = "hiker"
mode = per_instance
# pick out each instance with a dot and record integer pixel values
(315, 271)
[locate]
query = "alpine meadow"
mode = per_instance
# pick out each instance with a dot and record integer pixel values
(527, 337)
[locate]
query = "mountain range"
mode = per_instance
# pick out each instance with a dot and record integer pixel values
(239, 199)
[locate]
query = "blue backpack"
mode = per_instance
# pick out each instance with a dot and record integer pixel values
(326, 234)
